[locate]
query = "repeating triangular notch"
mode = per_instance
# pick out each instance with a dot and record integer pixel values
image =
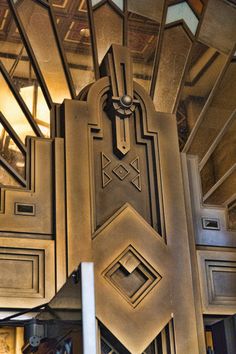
(106, 179)
(105, 160)
(135, 164)
(136, 181)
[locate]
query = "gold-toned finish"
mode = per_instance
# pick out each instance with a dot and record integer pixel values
(135, 269)
(120, 306)
(26, 272)
(218, 27)
(107, 186)
(39, 194)
(217, 269)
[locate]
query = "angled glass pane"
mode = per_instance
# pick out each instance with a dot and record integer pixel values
(34, 99)
(18, 65)
(218, 26)
(216, 114)
(152, 9)
(205, 66)
(175, 50)
(95, 2)
(11, 153)
(38, 25)
(119, 3)
(13, 112)
(74, 30)
(108, 28)
(6, 179)
(221, 159)
(182, 11)
(143, 35)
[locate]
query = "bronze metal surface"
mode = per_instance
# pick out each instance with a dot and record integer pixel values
(27, 272)
(217, 269)
(107, 187)
(159, 272)
(38, 193)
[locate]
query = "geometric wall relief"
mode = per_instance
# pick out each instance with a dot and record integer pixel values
(29, 210)
(219, 273)
(121, 170)
(27, 277)
(121, 179)
(218, 281)
(164, 343)
(132, 276)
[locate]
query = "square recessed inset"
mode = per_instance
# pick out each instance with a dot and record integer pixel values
(132, 276)
(121, 171)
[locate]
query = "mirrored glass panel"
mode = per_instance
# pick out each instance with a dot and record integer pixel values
(11, 153)
(216, 113)
(182, 12)
(39, 28)
(13, 112)
(222, 158)
(14, 57)
(108, 28)
(204, 68)
(74, 30)
(175, 50)
(6, 179)
(152, 9)
(143, 36)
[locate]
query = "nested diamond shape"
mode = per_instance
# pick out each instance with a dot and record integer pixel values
(132, 276)
(121, 171)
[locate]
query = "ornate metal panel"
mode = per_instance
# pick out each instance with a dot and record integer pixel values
(29, 283)
(217, 280)
(128, 199)
(35, 203)
(107, 186)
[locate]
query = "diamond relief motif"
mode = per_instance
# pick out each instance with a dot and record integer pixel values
(132, 276)
(121, 171)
